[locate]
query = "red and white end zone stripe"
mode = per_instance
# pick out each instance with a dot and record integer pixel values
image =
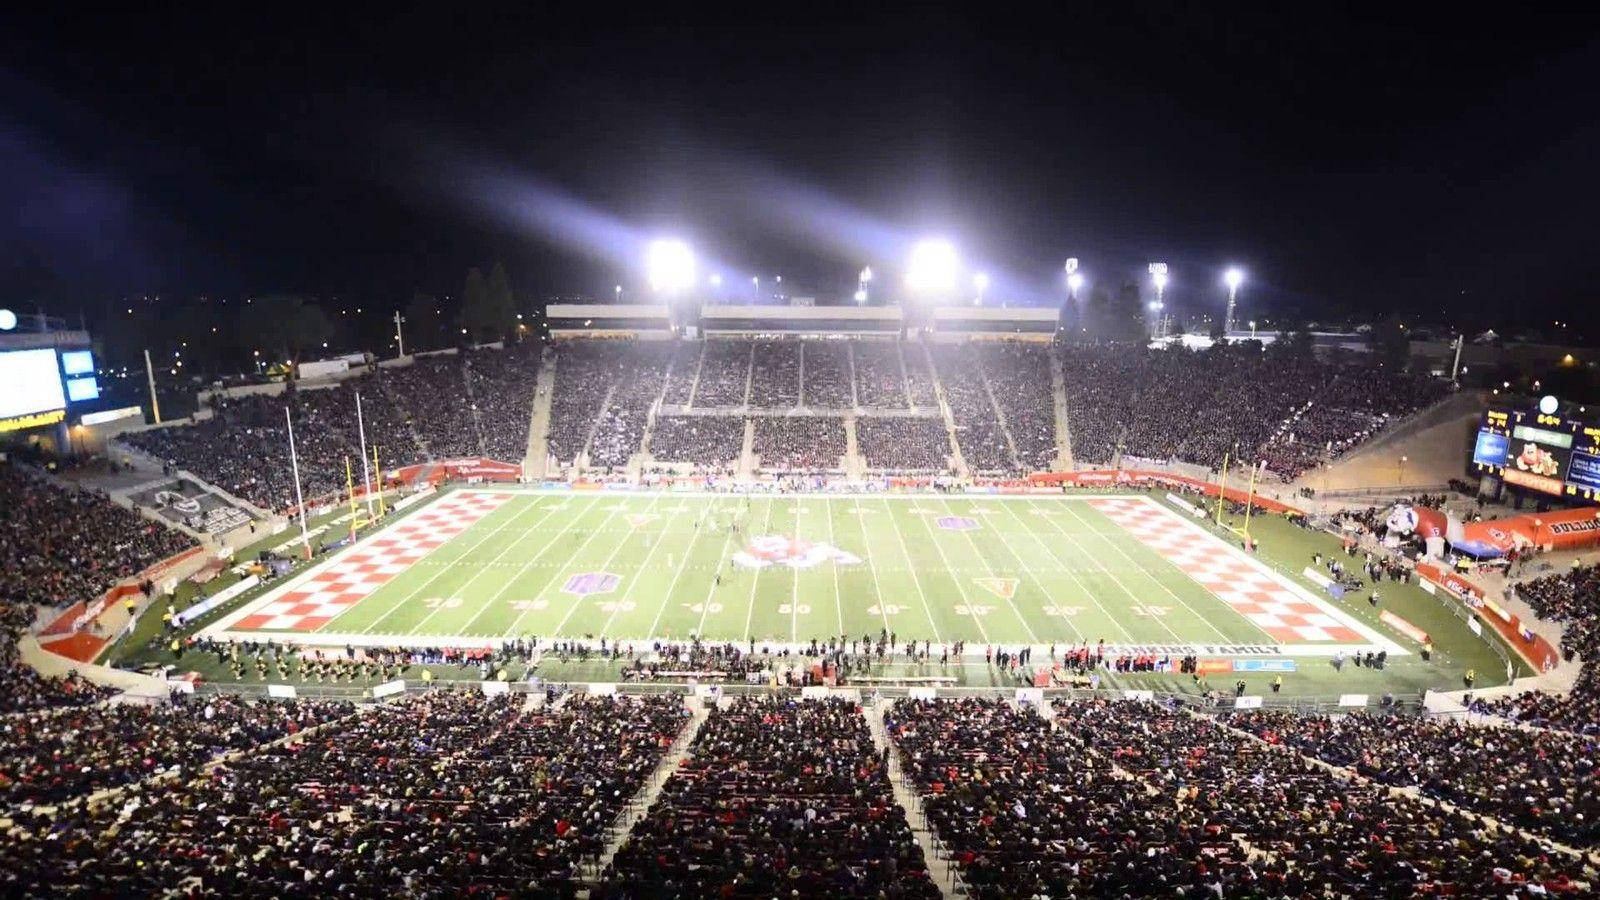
(314, 598)
(1279, 607)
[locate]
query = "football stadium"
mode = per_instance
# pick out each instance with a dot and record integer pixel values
(689, 519)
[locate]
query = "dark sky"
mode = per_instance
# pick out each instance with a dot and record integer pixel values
(1441, 161)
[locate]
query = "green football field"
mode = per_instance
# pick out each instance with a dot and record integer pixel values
(484, 565)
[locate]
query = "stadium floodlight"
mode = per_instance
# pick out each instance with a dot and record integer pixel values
(716, 280)
(933, 267)
(1233, 278)
(1074, 281)
(861, 295)
(980, 281)
(1158, 274)
(866, 275)
(670, 265)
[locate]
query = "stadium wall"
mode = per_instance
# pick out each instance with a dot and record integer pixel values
(1103, 477)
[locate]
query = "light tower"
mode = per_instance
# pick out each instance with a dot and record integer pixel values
(1233, 277)
(862, 280)
(1158, 274)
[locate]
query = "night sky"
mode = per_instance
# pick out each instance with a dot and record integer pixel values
(1443, 165)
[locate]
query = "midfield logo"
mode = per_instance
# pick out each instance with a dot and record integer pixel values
(796, 553)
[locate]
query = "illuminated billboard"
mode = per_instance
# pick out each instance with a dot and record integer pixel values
(32, 383)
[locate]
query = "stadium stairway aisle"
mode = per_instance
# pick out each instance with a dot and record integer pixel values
(1058, 381)
(1000, 416)
(940, 871)
(544, 389)
(646, 798)
(958, 462)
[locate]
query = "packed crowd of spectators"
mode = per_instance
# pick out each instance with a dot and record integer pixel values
(775, 374)
(1573, 599)
(880, 375)
(61, 545)
(778, 798)
(978, 430)
(827, 375)
(1196, 406)
(800, 443)
(50, 756)
(712, 441)
(585, 374)
(1545, 781)
(1131, 799)
(1019, 375)
(502, 384)
(909, 444)
(476, 403)
(724, 374)
(620, 430)
(441, 794)
(684, 367)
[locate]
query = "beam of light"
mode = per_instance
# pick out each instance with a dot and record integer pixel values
(1233, 277)
(933, 267)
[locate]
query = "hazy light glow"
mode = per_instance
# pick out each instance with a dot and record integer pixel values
(669, 264)
(1074, 281)
(980, 281)
(866, 275)
(933, 267)
(861, 295)
(1234, 277)
(716, 281)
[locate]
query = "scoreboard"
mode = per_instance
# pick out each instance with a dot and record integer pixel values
(1544, 452)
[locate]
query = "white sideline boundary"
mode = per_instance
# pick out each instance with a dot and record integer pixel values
(223, 628)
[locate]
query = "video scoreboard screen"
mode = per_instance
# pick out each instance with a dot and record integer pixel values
(1542, 452)
(37, 385)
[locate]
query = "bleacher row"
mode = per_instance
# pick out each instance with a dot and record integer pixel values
(452, 793)
(1175, 404)
(473, 404)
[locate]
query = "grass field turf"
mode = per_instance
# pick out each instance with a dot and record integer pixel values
(987, 570)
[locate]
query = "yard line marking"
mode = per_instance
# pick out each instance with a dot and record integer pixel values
(1170, 593)
(687, 552)
(983, 634)
(755, 579)
(484, 568)
(579, 601)
(838, 600)
(1032, 638)
(794, 594)
(1115, 620)
(872, 567)
(1077, 634)
(643, 566)
(442, 571)
(555, 573)
(1072, 570)
(488, 605)
(711, 589)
